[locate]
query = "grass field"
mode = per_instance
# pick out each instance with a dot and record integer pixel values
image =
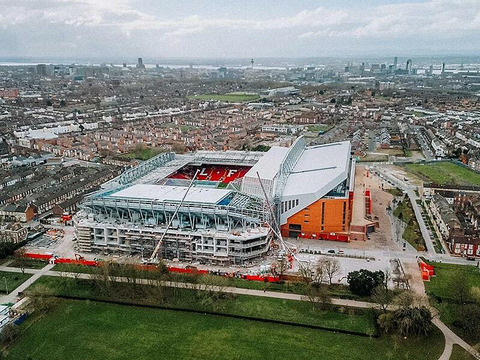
(28, 263)
(295, 287)
(230, 98)
(411, 234)
(91, 330)
(459, 353)
(13, 280)
(300, 312)
(395, 191)
(319, 128)
(439, 285)
(142, 154)
(440, 292)
(445, 173)
(373, 158)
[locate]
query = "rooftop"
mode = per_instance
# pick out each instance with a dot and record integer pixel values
(171, 193)
(317, 167)
(269, 164)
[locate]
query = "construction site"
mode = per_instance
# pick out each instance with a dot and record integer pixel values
(222, 208)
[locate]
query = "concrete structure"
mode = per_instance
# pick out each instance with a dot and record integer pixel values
(224, 218)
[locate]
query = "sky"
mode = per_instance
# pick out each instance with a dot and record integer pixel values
(126, 29)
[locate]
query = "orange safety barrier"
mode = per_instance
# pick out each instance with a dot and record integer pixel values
(427, 270)
(83, 262)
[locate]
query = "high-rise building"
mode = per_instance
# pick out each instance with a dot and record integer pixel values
(408, 67)
(140, 64)
(395, 63)
(42, 69)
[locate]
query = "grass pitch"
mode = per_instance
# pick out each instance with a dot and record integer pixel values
(12, 280)
(445, 172)
(229, 98)
(91, 330)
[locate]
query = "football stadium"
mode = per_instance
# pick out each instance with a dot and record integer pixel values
(221, 207)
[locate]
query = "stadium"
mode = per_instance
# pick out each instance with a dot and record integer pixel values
(221, 207)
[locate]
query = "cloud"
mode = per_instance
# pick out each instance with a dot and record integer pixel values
(123, 20)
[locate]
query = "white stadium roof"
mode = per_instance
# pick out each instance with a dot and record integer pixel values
(317, 167)
(269, 164)
(171, 193)
(318, 170)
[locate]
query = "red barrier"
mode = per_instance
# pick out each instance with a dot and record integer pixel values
(427, 270)
(149, 267)
(325, 236)
(38, 256)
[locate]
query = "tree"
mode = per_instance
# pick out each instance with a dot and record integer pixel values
(212, 293)
(43, 299)
(331, 267)
(280, 267)
(21, 260)
(10, 333)
(383, 297)
(413, 321)
(362, 282)
(306, 272)
(318, 296)
(405, 299)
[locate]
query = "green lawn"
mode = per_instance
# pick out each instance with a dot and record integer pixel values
(91, 330)
(28, 263)
(411, 234)
(230, 98)
(459, 353)
(319, 128)
(14, 280)
(300, 312)
(295, 287)
(440, 292)
(395, 191)
(142, 154)
(446, 173)
(373, 158)
(439, 285)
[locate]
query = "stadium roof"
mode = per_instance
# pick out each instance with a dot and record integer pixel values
(317, 168)
(269, 165)
(172, 193)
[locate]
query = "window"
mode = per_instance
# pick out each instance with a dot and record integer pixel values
(296, 202)
(323, 216)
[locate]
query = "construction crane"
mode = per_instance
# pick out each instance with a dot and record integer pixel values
(276, 229)
(160, 241)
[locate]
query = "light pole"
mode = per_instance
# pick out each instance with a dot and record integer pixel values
(6, 286)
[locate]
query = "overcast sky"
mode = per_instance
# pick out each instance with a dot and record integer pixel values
(116, 29)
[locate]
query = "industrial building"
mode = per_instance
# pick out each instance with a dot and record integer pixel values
(221, 207)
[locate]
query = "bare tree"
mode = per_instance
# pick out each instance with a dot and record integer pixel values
(331, 267)
(21, 260)
(382, 297)
(318, 296)
(307, 272)
(43, 298)
(280, 267)
(211, 291)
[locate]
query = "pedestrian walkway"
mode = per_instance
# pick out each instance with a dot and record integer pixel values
(450, 337)
(12, 296)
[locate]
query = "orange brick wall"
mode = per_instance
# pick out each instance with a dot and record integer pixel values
(310, 218)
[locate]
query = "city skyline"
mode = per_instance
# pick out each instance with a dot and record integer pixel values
(119, 29)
